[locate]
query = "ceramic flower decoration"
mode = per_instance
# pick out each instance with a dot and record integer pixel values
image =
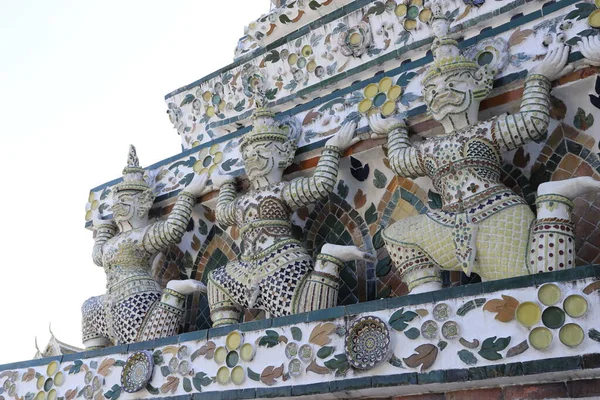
(356, 40)
(411, 12)
(176, 118)
(380, 97)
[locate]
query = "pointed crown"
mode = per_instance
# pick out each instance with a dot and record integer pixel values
(264, 128)
(133, 174)
(446, 54)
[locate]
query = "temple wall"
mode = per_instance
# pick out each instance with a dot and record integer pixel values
(368, 196)
(459, 343)
(468, 341)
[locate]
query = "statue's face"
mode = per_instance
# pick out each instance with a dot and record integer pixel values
(261, 157)
(128, 206)
(451, 93)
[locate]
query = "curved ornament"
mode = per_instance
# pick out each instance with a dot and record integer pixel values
(368, 343)
(137, 371)
(492, 52)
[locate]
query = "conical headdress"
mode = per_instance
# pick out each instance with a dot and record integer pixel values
(265, 127)
(446, 54)
(133, 174)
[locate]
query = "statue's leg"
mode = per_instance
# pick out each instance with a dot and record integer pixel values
(418, 247)
(223, 309)
(319, 289)
(164, 317)
(553, 235)
(503, 243)
(224, 283)
(93, 324)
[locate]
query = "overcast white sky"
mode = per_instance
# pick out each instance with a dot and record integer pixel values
(79, 81)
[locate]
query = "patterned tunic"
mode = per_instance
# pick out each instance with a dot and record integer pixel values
(272, 262)
(465, 169)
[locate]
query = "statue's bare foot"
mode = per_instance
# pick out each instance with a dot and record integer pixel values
(570, 188)
(187, 286)
(346, 253)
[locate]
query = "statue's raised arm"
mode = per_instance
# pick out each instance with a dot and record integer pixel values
(306, 190)
(531, 122)
(405, 159)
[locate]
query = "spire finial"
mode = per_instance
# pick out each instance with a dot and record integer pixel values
(132, 158)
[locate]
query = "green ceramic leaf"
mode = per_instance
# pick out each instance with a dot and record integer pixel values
(594, 335)
(271, 339)
(314, 5)
(76, 367)
(151, 389)
(371, 214)
(119, 363)
(325, 352)
(271, 93)
(396, 362)
(412, 333)
(201, 379)
(273, 56)
(253, 375)
(187, 384)
(239, 107)
(442, 344)
(202, 227)
(113, 393)
(284, 19)
(378, 240)
(400, 319)
(467, 357)
(491, 346)
(379, 179)
(342, 189)
(583, 121)
(187, 99)
(384, 292)
(339, 364)
(165, 370)
(296, 333)
(383, 266)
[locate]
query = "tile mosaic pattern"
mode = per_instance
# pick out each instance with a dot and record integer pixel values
(334, 221)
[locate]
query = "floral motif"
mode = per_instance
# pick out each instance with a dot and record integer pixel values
(356, 40)
(380, 97)
(9, 386)
(47, 384)
(368, 343)
(177, 119)
(137, 371)
(253, 83)
(412, 12)
(209, 159)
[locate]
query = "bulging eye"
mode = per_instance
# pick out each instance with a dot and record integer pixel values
(451, 84)
(433, 91)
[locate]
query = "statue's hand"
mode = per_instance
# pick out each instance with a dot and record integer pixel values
(218, 178)
(381, 126)
(590, 48)
(197, 186)
(98, 220)
(553, 66)
(344, 138)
